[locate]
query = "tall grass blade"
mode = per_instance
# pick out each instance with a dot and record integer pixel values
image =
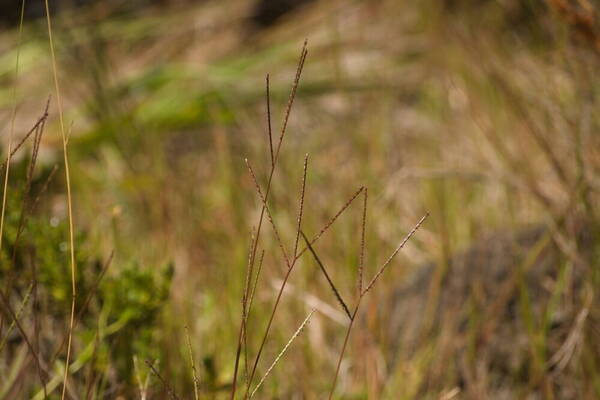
(69, 196)
(287, 345)
(400, 246)
(337, 294)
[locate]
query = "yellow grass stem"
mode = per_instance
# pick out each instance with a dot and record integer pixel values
(69, 202)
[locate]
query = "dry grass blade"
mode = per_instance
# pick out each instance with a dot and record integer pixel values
(192, 364)
(331, 284)
(245, 297)
(269, 122)
(242, 341)
(287, 345)
(269, 324)
(41, 120)
(69, 197)
(387, 262)
(7, 309)
(288, 109)
(25, 137)
(361, 257)
(26, 205)
(302, 192)
(332, 220)
(258, 230)
(37, 127)
(363, 293)
(12, 125)
(12, 324)
(249, 309)
(286, 277)
(167, 387)
(339, 364)
(260, 263)
(269, 215)
(249, 268)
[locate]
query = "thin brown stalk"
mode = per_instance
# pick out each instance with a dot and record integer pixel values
(18, 315)
(167, 387)
(192, 364)
(260, 263)
(269, 122)
(245, 296)
(7, 309)
(69, 197)
(269, 215)
(331, 221)
(248, 309)
(302, 192)
(364, 292)
(284, 281)
(268, 328)
(37, 130)
(27, 135)
(292, 97)
(361, 257)
(262, 213)
(12, 125)
(26, 203)
(287, 345)
(290, 265)
(400, 246)
(37, 138)
(249, 272)
(339, 363)
(242, 340)
(337, 294)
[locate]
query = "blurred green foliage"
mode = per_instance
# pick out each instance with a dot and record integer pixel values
(123, 309)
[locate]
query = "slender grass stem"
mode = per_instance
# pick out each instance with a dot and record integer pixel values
(262, 213)
(69, 197)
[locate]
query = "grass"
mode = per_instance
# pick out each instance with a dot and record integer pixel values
(69, 201)
(475, 114)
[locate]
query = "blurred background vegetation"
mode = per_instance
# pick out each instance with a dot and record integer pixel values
(482, 112)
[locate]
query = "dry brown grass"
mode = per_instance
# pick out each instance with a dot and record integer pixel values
(479, 116)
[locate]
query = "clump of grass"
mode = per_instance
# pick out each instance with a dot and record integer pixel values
(362, 293)
(291, 259)
(464, 123)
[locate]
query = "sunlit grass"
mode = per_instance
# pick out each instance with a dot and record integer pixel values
(488, 128)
